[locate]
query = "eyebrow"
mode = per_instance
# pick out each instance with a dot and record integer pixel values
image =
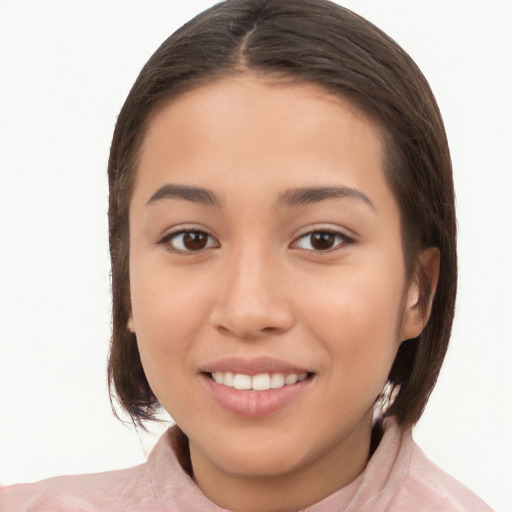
(187, 193)
(293, 197)
(311, 195)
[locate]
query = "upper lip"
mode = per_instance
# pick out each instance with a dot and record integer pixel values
(253, 366)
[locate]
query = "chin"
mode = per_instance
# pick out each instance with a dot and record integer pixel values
(265, 456)
(259, 464)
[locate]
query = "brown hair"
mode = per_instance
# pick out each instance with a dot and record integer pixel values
(314, 41)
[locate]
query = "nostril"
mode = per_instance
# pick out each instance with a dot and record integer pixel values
(223, 330)
(252, 319)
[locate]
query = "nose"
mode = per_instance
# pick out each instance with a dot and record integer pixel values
(252, 300)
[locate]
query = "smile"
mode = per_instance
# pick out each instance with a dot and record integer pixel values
(256, 395)
(260, 382)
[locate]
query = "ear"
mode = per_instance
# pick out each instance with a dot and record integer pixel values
(421, 294)
(131, 324)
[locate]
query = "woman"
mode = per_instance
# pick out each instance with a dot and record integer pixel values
(282, 236)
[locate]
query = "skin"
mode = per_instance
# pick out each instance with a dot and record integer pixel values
(259, 287)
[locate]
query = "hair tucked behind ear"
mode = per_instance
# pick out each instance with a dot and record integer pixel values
(310, 41)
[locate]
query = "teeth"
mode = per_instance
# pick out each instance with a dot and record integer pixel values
(291, 379)
(242, 381)
(228, 379)
(260, 382)
(218, 377)
(277, 381)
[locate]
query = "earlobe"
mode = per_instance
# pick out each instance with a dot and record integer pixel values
(130, 324)
(421, 294)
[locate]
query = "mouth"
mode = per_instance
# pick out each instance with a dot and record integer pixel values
(258, 382)
(256, 387)
(253, 391)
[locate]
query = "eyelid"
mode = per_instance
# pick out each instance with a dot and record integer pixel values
(347, 239)
(173, 233)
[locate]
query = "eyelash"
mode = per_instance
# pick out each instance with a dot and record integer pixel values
(169, 238)
(341, 240)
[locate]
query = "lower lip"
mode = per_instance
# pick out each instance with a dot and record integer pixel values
(254, 404)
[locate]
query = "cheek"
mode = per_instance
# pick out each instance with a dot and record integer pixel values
(165, 316)
(166, 311)
(358, 297)
(358, 316)
(163, 301)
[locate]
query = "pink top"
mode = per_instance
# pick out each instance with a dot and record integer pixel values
(398, 478)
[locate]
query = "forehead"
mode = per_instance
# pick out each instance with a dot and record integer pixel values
(257, 97)
(248, 130)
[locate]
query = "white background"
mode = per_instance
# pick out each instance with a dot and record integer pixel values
(65, 69)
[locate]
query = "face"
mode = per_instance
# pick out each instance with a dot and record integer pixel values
(268, 285)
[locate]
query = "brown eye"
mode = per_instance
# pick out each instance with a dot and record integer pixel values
(195, 240)
(322, 240)
(189, 241)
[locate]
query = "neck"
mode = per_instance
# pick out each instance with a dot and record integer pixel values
(295, 489)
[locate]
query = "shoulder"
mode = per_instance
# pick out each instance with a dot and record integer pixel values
(427, 487)
(400, 478)
(161, 483)
(109, 491)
